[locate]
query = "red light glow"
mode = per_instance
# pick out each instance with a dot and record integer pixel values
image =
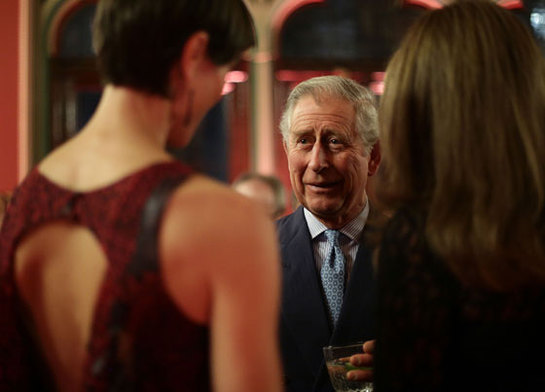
(236, 77)
(377, 87)
(433, 4)
(425, 3)
(227, 88)
(287, 75)
(510, 4)
(378, 76)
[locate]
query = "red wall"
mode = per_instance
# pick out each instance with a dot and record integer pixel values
(9, 47)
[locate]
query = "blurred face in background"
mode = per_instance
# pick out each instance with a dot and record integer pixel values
(259, 191)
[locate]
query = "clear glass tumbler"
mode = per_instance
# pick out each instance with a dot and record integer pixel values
(337, 360)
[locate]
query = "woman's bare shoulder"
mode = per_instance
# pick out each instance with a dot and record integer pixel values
(209, 199)
(209, 217)
(209, 236)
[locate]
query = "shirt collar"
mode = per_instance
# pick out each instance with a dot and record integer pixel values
(352, 229)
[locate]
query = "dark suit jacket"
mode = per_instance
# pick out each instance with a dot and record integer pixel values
(304, 323)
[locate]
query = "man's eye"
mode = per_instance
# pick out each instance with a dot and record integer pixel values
(303, 141)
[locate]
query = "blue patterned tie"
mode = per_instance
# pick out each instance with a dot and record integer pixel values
(332, 274)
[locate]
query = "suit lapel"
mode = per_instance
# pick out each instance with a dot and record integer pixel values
(304, 312)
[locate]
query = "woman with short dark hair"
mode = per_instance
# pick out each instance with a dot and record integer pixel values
(121, 269)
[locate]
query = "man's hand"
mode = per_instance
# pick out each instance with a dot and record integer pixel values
(363, 360)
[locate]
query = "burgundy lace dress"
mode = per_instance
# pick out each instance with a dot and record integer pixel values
(435, 334)
(139, 340)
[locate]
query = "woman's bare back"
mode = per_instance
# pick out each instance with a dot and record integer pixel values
(59, 269)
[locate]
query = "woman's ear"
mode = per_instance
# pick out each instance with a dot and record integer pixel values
(194, 54)
(374, 160)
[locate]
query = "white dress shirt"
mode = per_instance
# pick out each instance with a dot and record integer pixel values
(348, 240)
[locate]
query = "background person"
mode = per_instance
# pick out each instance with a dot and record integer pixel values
(330, 136)
(83, 304)
(268, 191)
(462, 263)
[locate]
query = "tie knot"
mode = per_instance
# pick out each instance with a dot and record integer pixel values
(332, 236)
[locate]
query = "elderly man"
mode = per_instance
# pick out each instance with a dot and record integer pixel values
(330, 136)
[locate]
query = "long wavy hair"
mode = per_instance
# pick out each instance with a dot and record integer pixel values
(462, 124)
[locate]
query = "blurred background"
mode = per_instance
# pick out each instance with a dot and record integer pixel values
(49, 86)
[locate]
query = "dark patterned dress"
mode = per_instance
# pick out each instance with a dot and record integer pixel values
(435, 334)
(139, 340)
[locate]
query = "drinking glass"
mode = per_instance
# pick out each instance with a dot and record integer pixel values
(337, 360)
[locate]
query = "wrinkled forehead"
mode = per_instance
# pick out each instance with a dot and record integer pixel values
(330, 112)
(322, 97)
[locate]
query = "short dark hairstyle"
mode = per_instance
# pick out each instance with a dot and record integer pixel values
(137, 42)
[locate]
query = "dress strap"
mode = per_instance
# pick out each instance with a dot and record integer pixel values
(145, 258)
(114, 365)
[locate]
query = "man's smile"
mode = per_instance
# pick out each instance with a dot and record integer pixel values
(322, 186)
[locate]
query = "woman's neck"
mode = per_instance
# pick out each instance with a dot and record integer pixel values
(125, 113)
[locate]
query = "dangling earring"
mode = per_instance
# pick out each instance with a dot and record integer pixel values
(189, 111)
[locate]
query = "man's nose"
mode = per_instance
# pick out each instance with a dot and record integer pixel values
(318, 158)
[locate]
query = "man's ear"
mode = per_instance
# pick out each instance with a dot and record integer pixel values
(194, 54)
(374, 160)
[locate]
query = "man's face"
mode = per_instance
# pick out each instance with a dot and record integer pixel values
(327, 160)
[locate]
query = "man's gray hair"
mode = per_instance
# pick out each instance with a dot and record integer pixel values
(324, 87)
